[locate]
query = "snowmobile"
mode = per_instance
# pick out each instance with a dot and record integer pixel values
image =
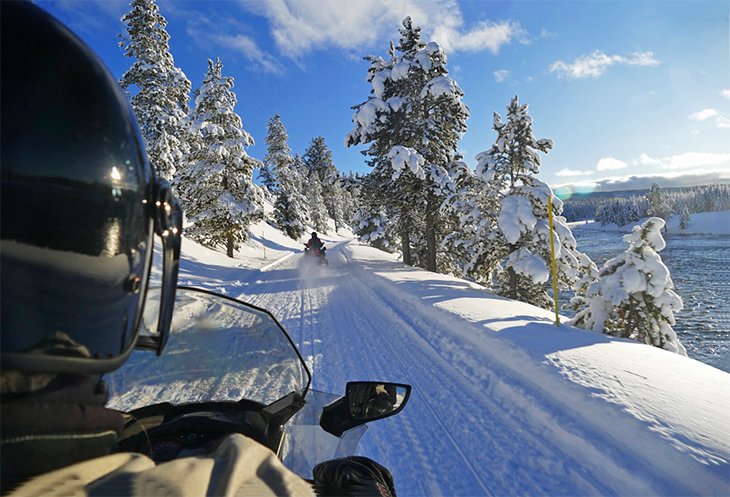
(230, 367)
(319, 253)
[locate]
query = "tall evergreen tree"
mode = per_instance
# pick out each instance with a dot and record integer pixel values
(633, 296)
(349, 201)
(522, 233)
(290, 208)
(683, 217)
(317, 210)
(278, 154)
(160, 89)
(660, 204)
(370, 220)
(472, 210)
(412, 122)
(504, 210)
(221, 198)
(318, 159)
(335, 201)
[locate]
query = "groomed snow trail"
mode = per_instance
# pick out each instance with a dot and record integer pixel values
(474, 425)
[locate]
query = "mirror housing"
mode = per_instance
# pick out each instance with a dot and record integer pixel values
(364, 401)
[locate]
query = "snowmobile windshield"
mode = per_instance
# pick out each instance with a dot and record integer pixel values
(220, 349)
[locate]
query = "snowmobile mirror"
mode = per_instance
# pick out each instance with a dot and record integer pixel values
(364, 401)
(369, 401)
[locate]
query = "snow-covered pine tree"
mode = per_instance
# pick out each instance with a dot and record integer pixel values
(683, 217)
(318, 159)
(412, 122)
(291, 209)
(315, 203)
(159, 90)
(370, 221)
(519, 241)
(278, 154)
(303, 173)
(350, 184)
(221, 198)
(472, 210)
(587, 275)
(336, 203)
(660, 204)
(523, 232)
(634, 295)
(372, 228)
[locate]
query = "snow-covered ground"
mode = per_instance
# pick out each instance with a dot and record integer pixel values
(504, 401)
(703, 223)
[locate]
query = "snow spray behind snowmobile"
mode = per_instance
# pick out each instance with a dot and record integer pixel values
(230, 367)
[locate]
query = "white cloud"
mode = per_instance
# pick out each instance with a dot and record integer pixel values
(609, 164)
(227, 37)
(644, 181)
(703, 114)
(725, 93)
(686, 160)
(485, 36)
(300, 26)
(544, 33)
(596, 63)
(501, 75)
(248, 48)
(721, 120)
(573, 172)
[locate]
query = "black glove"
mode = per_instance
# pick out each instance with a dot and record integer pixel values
(353, 476)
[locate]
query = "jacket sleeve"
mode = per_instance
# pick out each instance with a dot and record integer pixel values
(239, 466)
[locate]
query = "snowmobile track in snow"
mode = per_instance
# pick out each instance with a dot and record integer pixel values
(537, 434)
(351, 324)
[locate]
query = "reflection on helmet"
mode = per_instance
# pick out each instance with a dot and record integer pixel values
(77, 203)
(379, 406)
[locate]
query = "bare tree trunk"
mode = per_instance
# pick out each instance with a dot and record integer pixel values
(229, 245)
(512, 284)
(431, 251)
(406, 245)
(430, 234)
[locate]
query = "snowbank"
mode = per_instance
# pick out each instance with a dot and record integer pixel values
(680, 400)
(703, 223)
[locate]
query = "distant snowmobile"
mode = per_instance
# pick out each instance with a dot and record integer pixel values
(315, 247)
(319, 253)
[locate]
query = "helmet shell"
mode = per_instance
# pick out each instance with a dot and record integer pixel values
(76, 223)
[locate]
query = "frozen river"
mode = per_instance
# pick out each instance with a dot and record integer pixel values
(700, 269)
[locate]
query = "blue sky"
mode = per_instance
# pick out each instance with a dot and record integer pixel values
(631, 92)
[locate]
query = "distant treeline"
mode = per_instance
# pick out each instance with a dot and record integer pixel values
(626, 207)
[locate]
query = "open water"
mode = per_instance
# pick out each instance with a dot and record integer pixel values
(700, 269)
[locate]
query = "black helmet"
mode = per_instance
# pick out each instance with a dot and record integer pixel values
(379, 406)
(79, 207)
(314, 234)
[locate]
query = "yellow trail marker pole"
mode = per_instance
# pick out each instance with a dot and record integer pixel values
(552, 258)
